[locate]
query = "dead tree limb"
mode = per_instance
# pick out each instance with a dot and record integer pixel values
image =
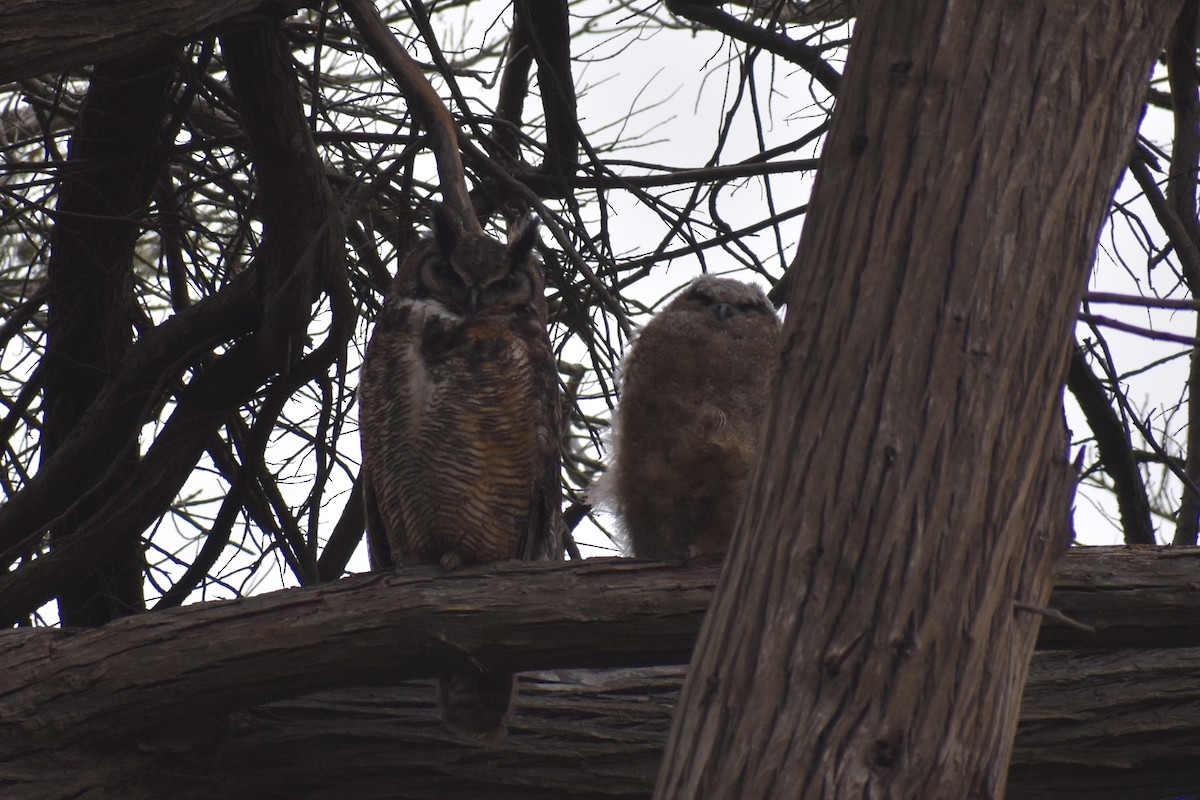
(36, 39)
(209, 659)
(423, 101)
(162, 699)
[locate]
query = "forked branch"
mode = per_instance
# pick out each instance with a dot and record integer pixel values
(423, 101)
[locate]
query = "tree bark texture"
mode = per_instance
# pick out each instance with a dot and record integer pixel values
(179, 704)
(1184, 84)
(37, 37)
(598, 735)
(913, 482)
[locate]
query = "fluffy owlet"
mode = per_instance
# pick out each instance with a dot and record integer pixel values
(693, 393)
(459, 420)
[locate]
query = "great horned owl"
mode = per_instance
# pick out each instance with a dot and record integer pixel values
(693, 393)
(459, 420)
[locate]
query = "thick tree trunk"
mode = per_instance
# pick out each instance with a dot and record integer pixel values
(170, 704)
(913, 484)
(115, 156)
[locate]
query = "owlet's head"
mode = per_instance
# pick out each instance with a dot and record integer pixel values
(724, 299)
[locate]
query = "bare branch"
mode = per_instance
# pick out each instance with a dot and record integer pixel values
(1116, 449)
(1149, 333)
(798, 53)
(34, 42)
(423, 102)
(201, 662)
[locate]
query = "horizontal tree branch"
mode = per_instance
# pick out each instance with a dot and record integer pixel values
(1137, 330)
(1098, 727)
(724, 172)
(804, 56)
(1105, 726)
(187, 686)
(1112, 725)
(209, 659)
(1115, 298)
(36, 38)
(213, 658)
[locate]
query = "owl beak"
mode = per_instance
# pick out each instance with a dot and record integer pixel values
(723, 311)
(474, 295)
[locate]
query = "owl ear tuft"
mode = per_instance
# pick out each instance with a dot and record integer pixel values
(447, 229)
(522, 238)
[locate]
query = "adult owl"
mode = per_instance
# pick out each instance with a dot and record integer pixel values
(693, 393)
(459, 420)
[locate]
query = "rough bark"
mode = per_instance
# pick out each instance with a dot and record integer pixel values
(913, 482)
(598, 735)
(189, 664)
(36, 38)
(1181, 195)
(1118, 724)
(171, 704)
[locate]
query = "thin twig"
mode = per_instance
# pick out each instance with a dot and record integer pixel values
(1140, 300)
(1054, 614)
(1161, 336)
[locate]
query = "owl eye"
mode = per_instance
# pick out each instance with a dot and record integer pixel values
(510, 281)
(452, 276)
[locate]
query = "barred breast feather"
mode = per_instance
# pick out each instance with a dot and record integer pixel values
(463, 440)
(459, 419)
